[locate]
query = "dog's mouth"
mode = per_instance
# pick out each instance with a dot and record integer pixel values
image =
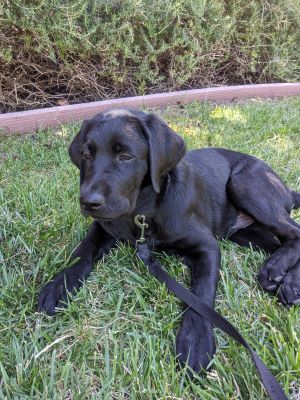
(111, 210)
(97, 216)
(100, 217)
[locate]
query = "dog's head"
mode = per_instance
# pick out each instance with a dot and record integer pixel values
(115, 151)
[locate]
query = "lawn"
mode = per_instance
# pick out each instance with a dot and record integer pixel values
(116, 339)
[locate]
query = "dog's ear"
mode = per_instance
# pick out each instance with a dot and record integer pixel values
(74, 148)
(166, 148)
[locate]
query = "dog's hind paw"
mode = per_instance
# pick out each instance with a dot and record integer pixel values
(271, 285)
(289, 291)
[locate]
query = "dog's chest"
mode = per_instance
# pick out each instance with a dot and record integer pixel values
(125, 230)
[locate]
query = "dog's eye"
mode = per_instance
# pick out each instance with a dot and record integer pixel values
(87, 156)
(124, 157)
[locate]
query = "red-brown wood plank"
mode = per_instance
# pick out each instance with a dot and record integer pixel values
(33, 120)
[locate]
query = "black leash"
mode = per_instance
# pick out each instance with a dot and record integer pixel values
(272, 387)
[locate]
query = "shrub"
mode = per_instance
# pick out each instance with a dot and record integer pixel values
(82, 50)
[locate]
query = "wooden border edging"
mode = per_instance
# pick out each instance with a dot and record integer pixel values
(33, 120)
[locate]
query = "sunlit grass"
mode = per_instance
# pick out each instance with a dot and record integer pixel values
(229, 114)
(116, 339)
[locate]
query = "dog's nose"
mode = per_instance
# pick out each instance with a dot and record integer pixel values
(93, 201)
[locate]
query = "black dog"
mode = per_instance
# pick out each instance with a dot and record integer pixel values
(132, 163)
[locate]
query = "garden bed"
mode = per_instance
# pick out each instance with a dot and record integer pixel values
(66, 52)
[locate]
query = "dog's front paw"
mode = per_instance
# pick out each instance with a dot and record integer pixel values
(195, 344)
(289, 291)
(54, 293)
(51, 296)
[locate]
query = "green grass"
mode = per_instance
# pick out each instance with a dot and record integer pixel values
(116, 339)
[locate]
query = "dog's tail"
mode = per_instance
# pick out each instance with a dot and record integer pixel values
(296, 198)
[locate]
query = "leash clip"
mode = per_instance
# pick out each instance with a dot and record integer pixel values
(142, 225)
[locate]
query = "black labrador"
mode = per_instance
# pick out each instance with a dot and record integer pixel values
(132, 163)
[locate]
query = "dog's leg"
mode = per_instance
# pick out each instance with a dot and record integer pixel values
(195, 343)
(253, 192)
(95, 244)
(258, 236)
(289, 291)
